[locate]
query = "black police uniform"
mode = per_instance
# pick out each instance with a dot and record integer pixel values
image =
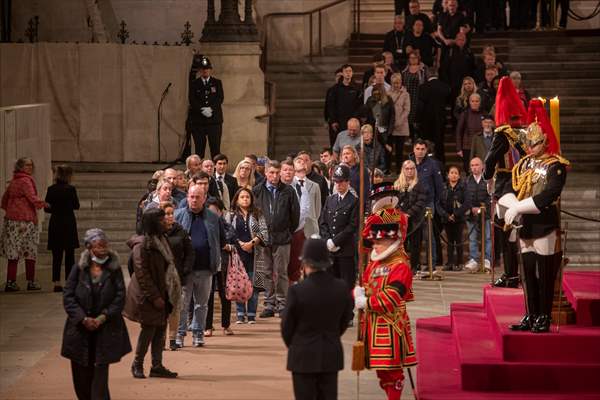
(206, 93)
(504, 153)
(339, 222)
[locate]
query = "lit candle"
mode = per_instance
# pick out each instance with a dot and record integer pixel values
(555, 117)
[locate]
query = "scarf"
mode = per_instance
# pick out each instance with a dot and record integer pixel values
(171, 276)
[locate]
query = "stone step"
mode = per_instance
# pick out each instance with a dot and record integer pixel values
(89, 194)
(109, 204)
(129, 168)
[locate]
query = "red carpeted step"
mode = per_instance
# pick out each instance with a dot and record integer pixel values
(582, 289)
(438, 371)
(574, 344)
(482, 367)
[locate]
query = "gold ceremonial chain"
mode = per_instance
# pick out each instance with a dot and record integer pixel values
(526, 170)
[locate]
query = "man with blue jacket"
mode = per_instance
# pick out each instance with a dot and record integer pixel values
(207, 233)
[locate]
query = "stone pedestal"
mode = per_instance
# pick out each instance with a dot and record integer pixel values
(237, 66)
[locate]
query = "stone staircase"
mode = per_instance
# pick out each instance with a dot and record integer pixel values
(108, 195)
(378, 15)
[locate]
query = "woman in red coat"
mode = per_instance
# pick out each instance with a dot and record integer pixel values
(386, 287)
(20, 235)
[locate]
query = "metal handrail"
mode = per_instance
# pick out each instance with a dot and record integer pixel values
(317, 10)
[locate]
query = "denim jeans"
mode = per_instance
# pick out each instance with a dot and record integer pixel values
(248, 309)
(198, 286)
(475, 240)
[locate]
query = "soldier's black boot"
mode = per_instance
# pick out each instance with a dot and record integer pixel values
(510, 277)
(137, 370)
(524, 325)
(531, 292)
(548, 269)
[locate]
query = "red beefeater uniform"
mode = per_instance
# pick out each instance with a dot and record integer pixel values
(386, 326)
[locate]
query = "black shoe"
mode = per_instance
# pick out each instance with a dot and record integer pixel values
(137, 371)
(524, 325)
(161, 372)
(448, 267)
(267, 314)
(57, 289)
(33, 285)
(11, 286)
(541, 324)
(508, 282)
(173, 345)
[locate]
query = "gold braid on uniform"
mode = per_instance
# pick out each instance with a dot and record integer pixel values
(522, 174)
(509, 132)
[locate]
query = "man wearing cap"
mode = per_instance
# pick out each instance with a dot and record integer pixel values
(206, 116)
(385, 288)
(481, 142)
(316, 316)
(338, 225)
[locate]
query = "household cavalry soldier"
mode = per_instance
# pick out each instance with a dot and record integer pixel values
(338, 225)
(206, 116)
(538, 179)
(504, 153)
(386, 287)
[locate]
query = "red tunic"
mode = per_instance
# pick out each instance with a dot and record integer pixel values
(385, 324)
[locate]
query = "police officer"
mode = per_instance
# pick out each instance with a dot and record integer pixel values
(338, 225)
(316, 316)
(206, 116)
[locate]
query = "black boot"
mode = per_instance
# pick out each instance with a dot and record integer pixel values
(541, 324)
(531, 285)
(524, 325)
(137, 370)
(173, 345)
(510, 277)
(160, 371)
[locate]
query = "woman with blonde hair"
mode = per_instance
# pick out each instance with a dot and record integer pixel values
(412, 198)
(399, 133)
(462, 101)
(244, 174)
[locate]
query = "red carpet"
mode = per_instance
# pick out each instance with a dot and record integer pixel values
(582, 289)
(473, 355)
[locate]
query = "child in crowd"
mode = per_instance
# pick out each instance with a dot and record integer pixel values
(452, 208)
(377, 176)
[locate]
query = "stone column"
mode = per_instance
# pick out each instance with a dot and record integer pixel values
(229, 27)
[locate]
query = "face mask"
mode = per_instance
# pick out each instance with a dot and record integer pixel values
(99, 261)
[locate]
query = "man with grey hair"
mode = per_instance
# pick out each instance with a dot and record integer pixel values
(350, 136)
(316, 316)
(207, 233)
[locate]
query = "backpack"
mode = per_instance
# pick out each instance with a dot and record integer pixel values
(238, 286)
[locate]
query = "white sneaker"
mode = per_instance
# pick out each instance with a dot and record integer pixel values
(487, 266)
(472, 266)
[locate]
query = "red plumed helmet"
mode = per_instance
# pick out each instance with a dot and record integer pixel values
(537, 113)
(509, 107)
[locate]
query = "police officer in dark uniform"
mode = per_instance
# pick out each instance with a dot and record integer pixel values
(338, 225)
(206, 116)
(316, 316)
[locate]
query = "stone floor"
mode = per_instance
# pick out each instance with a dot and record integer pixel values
(249, 365)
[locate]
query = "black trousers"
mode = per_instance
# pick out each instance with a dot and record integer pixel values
(150, 335)
(401, 6)
(332, 135)
(57, 257)
(414, 245)
(454, 232)
(345, 269)
(397, 143)
(90, 382)
(219, 281)
(318, 386)
(213, 133)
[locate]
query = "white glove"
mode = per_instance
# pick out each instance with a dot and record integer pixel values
(526, 206)
(207, 112)
(331, 246)
(360, 302)
(359, 291)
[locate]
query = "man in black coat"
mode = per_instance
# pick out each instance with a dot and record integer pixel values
(338, 225)
(206, 116)
(394, 42)
(433, 97)
(226, 184)
(343, 102)
(279, 204)
(316, 316)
